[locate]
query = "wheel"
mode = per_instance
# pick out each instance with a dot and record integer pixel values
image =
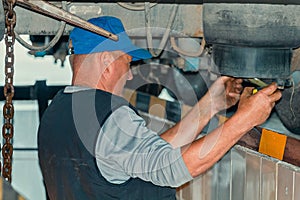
(288, 109)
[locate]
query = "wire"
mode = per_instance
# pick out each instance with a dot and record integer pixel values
(166, 34)
(45, 47)
(185, 53)
(135, 6)
(50, 44)
(291, 100)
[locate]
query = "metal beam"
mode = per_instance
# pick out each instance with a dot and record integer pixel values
(295, 2)
(291, 154)
(57, 13)
(285, 2)
(188, 19)
(140, 1)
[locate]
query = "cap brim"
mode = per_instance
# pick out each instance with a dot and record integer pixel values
(137, 53)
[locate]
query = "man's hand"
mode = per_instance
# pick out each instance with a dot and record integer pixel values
(255, 109)
(225, 92)
(252, 111)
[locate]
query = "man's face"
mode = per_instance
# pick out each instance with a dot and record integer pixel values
(122, 72)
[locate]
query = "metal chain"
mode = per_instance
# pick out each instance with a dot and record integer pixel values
(8, 108)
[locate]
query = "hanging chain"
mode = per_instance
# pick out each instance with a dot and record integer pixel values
(8, 108)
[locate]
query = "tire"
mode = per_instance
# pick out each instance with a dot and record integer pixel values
(288, 109)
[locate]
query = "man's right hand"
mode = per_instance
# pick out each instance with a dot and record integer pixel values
(255, 109)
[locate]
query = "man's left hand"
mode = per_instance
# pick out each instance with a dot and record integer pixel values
(225, 92)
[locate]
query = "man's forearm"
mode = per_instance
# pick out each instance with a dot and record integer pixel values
(206, 151)
(191, 125)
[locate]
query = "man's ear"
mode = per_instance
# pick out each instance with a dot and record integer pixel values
(106, 60)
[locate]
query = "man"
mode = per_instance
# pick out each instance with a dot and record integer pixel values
(94, 145)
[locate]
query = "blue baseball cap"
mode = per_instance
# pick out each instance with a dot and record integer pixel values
(86, 42)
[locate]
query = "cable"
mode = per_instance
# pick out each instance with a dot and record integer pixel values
(166, 34)
(50, 44)
(135, 6)
(47, 46)
(185, 53)
(291, 99)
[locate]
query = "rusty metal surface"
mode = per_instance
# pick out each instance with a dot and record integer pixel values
(188, 20)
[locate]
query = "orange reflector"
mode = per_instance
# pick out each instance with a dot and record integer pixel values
(272, 144)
